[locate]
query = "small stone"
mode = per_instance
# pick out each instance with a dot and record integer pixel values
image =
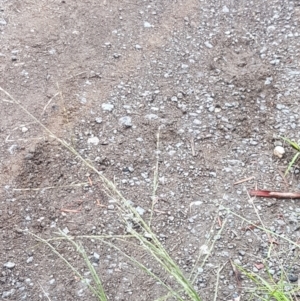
(12, 149)
(116, 55)
(24, 129)
(151, 116)
(272, 271)
(96, 257)
(242, 253)
(107, 107)
(138, 47)
(125, 121)
(268, 80)
(66, 230)
(197, 122)
(93, 140)
(147, 25)
(9, 265)
(293, 278)
(275, 62)
(174, 98)
(83, 100)
(30, 259)
(179, 95)
(111, 207)
(140, 210)
(279, 151)
(264, 49)
(3, 22)
(7, 294)
(52, 281)
(279, 106)
(208, 45)
(98, 120)
(225, 9)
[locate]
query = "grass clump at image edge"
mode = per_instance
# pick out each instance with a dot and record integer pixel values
(296, 147)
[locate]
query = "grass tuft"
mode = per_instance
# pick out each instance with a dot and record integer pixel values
(296, 147)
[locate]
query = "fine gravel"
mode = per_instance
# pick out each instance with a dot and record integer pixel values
(202, 89)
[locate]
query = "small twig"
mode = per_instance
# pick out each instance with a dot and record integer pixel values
(155, 178)
(99, 204)
(217, 282)
(50, 187)
(45, 294)
(274, 194)
(70, 210)
(75, 75)
(244, 180)
(193, 147)
(45, 107)
(237, 273)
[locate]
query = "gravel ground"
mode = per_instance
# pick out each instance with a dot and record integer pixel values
(218, 80)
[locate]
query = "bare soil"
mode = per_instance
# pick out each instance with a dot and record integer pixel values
(217, 79)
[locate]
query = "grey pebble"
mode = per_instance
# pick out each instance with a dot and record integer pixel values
(126, 121)
(96, 257)
(30, 259)
(279, 106)
(111, 207)
(7, 294)
(293, 278)
(3, 22)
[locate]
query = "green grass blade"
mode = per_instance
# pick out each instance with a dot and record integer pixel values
(293, 144)
(292, 163)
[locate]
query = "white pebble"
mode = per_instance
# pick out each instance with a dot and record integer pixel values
(279, 151)
(93, 140)
(208, 45)
(107, 107)
(147, 25)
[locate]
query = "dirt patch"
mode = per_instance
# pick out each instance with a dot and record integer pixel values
(213, 79)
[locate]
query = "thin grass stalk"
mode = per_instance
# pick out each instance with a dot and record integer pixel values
(155, 179)
(112, 189)
(99, 287)
(145, 269)
(265, 229)
(91, 288)
(209, 252)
